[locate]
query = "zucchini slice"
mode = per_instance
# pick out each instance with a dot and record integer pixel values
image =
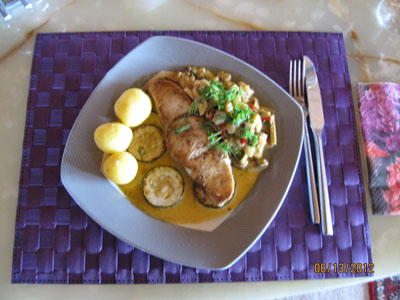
(147, 143)
(202, 197)
(163, 186)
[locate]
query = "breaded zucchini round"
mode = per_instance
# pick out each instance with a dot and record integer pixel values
(163, 186)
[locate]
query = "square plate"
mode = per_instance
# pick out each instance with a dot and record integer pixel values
(220, 248)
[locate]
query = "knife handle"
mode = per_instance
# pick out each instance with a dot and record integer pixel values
(312, 187)
(327, 227)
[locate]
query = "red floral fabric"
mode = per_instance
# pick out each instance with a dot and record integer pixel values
(379, 108)
(387, 289)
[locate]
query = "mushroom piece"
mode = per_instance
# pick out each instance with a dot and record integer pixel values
(202, 106)
(257, 164)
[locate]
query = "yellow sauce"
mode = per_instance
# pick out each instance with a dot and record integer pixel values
(188, 210)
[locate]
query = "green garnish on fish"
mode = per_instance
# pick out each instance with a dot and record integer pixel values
(194, 107)
(182, 128)
(141, 152)
(233, 151)
(214, 138)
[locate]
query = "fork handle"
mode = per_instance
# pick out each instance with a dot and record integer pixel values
(327, 227)
(312, 187)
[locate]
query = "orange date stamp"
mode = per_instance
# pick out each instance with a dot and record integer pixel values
(353, 268)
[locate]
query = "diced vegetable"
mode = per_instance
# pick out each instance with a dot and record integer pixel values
(230, 128)
(272, 132)
(252, 107)
(219, 117)
(257, 124)
(264, 111)
(254, 102)
(257, 164)
(163, 186)
(237, 124)
(254, 124)
(228, 107)
(249, 151)
(202, 106)
(244, 161)
(246, 89)
(262, 141)
(201, 73)
(225, 77)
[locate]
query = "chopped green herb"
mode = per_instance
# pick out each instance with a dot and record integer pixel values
(182, 128)
(208, 126)
(214, 138)
(253, 140)
(216, 92)
(215, 141)
(223, 146)
(241, 113)
(233, 93)
(141, 152)
(213, 89)
(234, 151)
(249, 136)
(194, 107)
(218, 96)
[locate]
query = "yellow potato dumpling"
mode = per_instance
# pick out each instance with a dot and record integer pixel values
(113, 137)
(133, 107)
(120, 167)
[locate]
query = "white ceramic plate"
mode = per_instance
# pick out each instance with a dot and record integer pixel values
(218, 249)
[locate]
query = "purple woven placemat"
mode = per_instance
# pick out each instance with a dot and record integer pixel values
(56, 242)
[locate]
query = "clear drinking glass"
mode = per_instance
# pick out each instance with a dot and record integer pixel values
(388, 15)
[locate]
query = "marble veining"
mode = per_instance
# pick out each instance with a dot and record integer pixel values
(311, 15)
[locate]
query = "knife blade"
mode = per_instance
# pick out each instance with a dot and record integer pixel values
(317, 123)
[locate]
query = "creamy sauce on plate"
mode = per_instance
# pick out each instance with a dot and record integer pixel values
(188, 210)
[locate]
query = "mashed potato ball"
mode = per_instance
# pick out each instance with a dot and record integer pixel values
(120, 167)
(113, 137)
(133, 107)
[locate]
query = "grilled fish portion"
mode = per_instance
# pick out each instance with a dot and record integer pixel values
(170, 100)
(210, 168)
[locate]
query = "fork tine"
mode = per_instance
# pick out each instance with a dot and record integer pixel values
(290, 78)
(303, 78)
(295, 78)
(298, 79)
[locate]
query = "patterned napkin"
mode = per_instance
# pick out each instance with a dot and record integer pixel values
(379, 107)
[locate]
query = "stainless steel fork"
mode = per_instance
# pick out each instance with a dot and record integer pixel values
(296, 89)
(7, 5)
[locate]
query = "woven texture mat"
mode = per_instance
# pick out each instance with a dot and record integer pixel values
(56, 242)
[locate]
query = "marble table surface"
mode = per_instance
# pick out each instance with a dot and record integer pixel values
(373, 55)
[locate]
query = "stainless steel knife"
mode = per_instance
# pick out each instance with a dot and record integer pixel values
(317, 123)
